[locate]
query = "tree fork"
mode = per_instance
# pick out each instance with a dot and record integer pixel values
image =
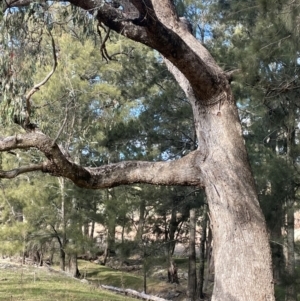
(184, 171)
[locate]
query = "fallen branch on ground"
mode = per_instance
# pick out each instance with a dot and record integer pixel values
(133, 293)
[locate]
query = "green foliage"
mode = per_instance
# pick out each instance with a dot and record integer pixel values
(13, 238)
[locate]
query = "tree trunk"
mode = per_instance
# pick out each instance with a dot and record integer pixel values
(237, 220)
(277, 246)
(86, 229)
(93, 221)
(241, 243)
(92, 229)
(111, 237)
(172, 229)
(111, 226)
(291, 294)
(140, 227)
(236, 216)
(52, 250)
(290, 252)
(73, 266)
(192, 276)
(209, 259)
(200, 283)
(172, 272)
(144, 272)
(62, 257)
(105, 255)
(63, 240)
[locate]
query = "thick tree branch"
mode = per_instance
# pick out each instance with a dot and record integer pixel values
(184, 171)
(182, 81)
(166, 33)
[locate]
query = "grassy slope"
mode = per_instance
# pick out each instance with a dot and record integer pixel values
(29, 283)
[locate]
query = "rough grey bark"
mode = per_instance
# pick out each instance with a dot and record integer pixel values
(125, 172)
(220, 164)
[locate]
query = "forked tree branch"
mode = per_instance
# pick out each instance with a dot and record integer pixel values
(184, 171)
(161, 29)
(103, 49)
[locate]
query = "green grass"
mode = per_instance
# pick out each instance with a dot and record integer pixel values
(37, 284)
(105, 275)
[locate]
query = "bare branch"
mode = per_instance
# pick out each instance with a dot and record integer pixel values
(43, 82)
(17, 171)
(229, 74)
(63, 125)
(103, 49)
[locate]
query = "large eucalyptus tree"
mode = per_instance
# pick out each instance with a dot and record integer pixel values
(219, 164)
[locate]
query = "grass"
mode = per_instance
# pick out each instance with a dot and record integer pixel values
(38, 284)
(105, 275)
